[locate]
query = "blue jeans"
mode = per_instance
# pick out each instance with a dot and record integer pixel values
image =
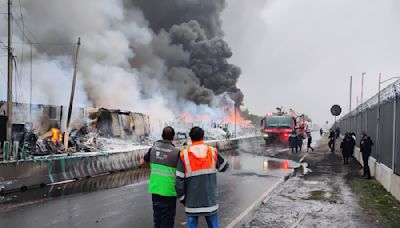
(193, 221)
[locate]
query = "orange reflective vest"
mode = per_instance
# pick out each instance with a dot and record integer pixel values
(199, 159)
(196, 179)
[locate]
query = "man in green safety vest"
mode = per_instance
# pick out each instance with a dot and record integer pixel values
(163, 159)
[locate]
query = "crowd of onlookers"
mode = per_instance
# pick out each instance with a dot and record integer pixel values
(348, 145)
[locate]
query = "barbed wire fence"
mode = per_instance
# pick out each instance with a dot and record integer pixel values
(380, 118)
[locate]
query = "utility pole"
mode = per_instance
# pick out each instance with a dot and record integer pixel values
(9, 78)
(235, 119)
(351, 91)
(71, 100)
(362, 87)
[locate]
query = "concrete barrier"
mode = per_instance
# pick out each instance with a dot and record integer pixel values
(36, 171)
(385, 175)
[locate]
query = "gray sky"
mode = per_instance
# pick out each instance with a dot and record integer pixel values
(300, 53)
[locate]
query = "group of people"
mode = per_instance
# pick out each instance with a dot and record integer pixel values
(296, 141)
(188, 176)
(348, 144)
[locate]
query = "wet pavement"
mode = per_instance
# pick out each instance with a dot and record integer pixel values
(121, 199)
(322, 198)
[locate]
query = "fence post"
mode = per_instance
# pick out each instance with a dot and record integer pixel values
(377, 132)
(394, 134)
(366, 120)
(6, 150)
(15, 150)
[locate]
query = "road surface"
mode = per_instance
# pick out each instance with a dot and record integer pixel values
(121, 199)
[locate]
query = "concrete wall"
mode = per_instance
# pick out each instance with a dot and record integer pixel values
(50, 169)
(385, 175)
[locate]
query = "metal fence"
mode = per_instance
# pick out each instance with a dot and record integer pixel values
(380, 118)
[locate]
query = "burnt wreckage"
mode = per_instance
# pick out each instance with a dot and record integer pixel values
(37, 128)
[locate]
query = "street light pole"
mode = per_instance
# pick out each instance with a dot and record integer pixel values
(10, 76)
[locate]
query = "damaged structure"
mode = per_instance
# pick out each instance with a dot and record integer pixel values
(42, 127)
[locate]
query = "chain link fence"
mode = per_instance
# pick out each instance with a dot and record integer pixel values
(380, 118)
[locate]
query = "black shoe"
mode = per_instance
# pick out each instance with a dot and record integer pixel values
(368, 178)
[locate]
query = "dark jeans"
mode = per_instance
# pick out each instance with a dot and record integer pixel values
(164, 208)
(367, 173)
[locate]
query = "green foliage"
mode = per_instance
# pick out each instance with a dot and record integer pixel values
(375, 199)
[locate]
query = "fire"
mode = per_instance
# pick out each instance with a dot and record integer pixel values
(56, 135)
(198, 118)
(187, 117)
(233, 117)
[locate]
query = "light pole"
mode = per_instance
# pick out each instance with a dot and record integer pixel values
(379, 111)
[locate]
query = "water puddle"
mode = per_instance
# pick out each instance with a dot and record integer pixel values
(114, 180)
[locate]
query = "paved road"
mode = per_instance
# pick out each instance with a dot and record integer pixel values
(121, 199)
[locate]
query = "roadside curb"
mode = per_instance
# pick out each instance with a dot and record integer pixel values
(262, 199)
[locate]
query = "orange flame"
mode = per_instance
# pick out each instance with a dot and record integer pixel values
(232, 116)
(56, 135)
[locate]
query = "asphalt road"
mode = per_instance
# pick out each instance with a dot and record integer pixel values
(121, 199)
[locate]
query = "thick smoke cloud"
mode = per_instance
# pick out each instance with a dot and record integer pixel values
(142, 55)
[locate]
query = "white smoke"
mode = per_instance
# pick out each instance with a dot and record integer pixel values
(123, 62)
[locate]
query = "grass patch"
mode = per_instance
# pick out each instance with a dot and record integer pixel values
(376, 200)
(317, 195)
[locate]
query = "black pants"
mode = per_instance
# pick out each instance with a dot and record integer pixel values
(309, 146)
(330, 144)
(367, 173)
(164, 209)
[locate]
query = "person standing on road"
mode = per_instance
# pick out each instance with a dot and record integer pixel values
(309, 141)
(294, 141)
(347, 147)
(196, 180)
(337, 132)
(366, 148)
(163, 159)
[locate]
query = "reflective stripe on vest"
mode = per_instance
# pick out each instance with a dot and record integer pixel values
(189, 170)
(162, 180)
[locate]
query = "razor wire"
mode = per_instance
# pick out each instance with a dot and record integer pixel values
(390, 92)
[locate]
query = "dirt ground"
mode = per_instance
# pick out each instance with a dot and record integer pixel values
(320, 198)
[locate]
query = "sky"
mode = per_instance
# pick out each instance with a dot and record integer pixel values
(300, 54)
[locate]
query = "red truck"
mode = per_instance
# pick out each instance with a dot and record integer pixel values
(277, 127)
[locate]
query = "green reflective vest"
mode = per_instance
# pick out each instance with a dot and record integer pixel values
(163, 162)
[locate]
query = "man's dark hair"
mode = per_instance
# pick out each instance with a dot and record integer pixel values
(168, 133)
(196, 134)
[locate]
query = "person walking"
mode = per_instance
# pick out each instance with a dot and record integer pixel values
(321, 131)
(366, 148)
(196, 180)
(163, 159)
(309, 141)
(331, 139)
(347, 147)
(294, 141)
